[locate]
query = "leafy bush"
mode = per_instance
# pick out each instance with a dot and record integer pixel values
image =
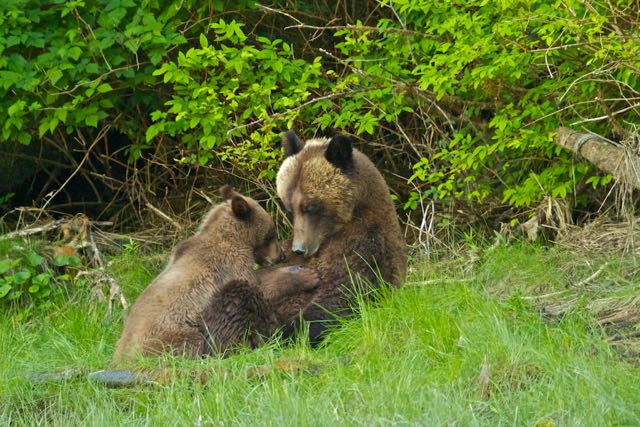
(70, 65)
(227, 82)
(460, 99)
(78, 75)
(28, 277)
(495, 80)
(470, 92)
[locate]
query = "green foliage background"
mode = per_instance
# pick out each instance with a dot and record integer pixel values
(456, 101)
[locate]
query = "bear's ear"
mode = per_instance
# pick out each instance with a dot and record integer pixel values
(227, 191)
(240, 207)
(339, 152)
(291, 143)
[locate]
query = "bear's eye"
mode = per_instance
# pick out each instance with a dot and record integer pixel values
(271, 235)
(311, 208)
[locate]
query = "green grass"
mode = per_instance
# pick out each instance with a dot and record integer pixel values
(414, 358)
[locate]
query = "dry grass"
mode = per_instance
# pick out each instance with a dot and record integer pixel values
(603, 235)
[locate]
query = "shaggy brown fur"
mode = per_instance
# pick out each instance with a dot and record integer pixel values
(344, 224)
(233, 236)
(282, 285)
(243, 314)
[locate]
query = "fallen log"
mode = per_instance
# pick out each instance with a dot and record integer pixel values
(619, 161)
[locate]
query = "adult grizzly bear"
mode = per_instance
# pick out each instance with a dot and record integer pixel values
(344, 225)
(232, 237)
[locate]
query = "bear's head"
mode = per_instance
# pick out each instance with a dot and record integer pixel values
(245, 220)
(315, 185)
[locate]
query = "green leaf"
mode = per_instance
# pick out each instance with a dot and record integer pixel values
(92, 68)
(9, 78)
(4, 290)
(203, 41)
(75, 52)
(12, 41)
(6, 265)
(33, 289)
(104, 87)
(42, 279)
(204, 158)
(16, 107)
(21, 277)
(64, 260)
(53, 123)
(156, 57)
(61, 115)
(92, 120)
(24, 138)
(54, 75)
(34, 259)
(152, 131)
(43, 128)
(61, 260)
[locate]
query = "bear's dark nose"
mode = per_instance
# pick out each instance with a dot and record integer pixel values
(298, 248)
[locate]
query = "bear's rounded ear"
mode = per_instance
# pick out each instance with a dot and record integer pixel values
(339, 152)
(291, 143)
(240, 207)
(226, 191)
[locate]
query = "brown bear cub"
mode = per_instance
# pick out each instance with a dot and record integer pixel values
(344, 225)
(217, 262)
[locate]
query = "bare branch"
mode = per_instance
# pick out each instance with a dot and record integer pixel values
(100, 135)
(162, 215)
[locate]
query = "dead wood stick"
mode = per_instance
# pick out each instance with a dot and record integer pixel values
(44, 228)
(32, 230)
(163, 215)
(158, 212)
(618, 161)
(114, 289)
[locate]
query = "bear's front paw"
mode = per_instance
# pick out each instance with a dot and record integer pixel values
(311, 279)
(307, 278)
